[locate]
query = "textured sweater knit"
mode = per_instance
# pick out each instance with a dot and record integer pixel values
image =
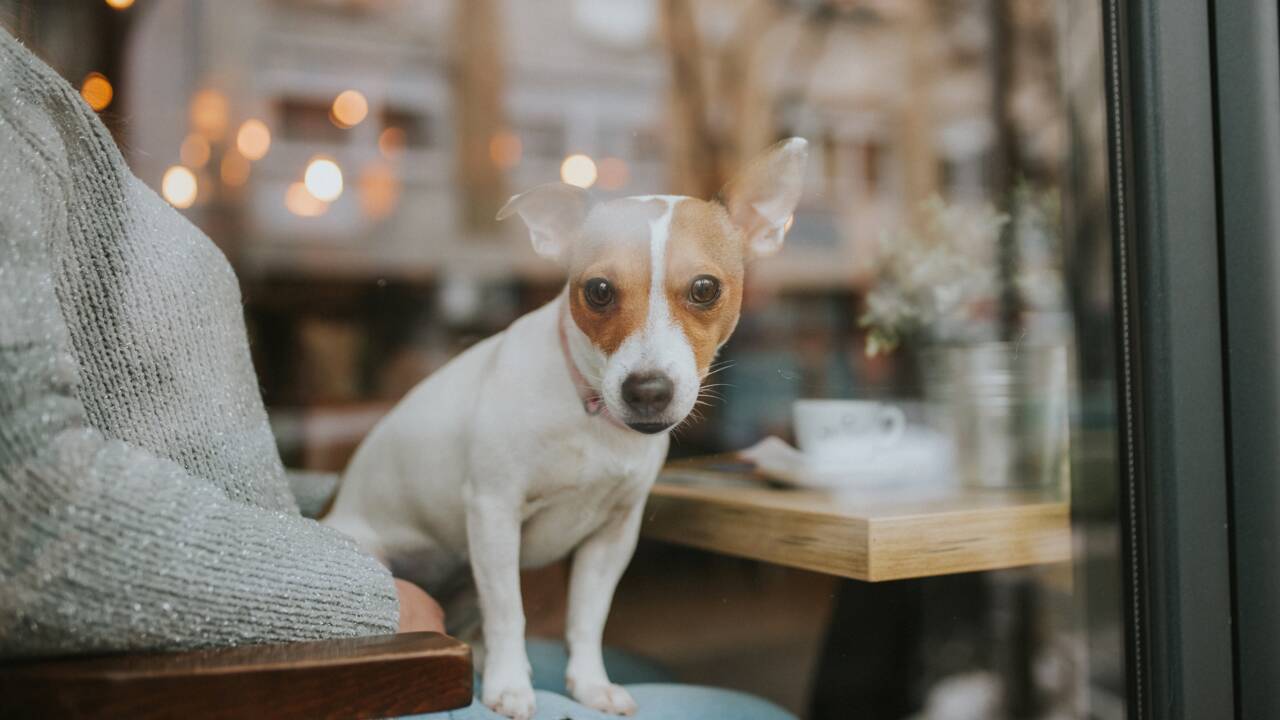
(143, 504)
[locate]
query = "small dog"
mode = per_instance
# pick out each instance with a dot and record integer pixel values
(545, 439)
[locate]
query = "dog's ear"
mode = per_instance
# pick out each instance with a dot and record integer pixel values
(761, 199)
(553, 212)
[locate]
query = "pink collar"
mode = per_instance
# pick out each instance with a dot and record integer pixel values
(592, 403)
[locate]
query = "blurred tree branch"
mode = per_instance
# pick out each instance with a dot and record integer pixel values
(693, 151)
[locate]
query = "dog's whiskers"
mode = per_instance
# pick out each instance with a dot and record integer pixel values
(719, 367)
(675, 431)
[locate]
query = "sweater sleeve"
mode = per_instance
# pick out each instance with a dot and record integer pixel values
(106, 547)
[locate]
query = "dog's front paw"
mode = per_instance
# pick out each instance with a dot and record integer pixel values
(604, 696)
(516, 701)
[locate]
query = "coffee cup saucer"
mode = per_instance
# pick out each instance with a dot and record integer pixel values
(921, 456)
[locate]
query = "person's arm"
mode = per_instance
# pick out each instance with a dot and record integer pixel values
(104, 546)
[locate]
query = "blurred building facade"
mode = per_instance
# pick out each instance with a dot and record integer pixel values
(353, 298)
(897, 97)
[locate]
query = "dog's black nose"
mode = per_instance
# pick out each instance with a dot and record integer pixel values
(647, 393)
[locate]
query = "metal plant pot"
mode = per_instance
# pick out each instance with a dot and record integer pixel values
(1005, 405)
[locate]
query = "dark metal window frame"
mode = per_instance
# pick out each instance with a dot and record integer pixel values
(1195, 118)
(1246, 36)
(1172, 390)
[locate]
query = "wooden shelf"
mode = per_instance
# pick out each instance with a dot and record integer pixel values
(864, 535)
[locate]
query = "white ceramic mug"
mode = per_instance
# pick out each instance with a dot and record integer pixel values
(841, 430)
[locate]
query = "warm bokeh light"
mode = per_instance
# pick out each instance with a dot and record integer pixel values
(120, 4)
(179, 187)
(97, 91)
(349, 109)
(614, 173)
(302, 203)
(209, 113)
(194, 151)
(578, 170)
(254, 139)
(323, 179)
(235, 169)
(791, 219)
(391, 142)
(505, 149)
(379, 191)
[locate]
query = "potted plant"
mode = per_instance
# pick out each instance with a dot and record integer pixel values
(977, 292)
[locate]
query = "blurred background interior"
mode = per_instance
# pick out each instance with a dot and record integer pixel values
(348, 157)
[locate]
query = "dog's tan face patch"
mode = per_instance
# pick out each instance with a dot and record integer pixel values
(669, 271)
(703, 244)
(615, 247)
(672, 267)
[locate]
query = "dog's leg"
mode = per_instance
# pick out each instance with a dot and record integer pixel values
(493, 533)
(598, 564)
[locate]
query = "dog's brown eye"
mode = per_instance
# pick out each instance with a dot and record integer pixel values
(598, 292)
(704, 290)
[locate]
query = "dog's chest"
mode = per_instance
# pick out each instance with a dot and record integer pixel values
(572, 495)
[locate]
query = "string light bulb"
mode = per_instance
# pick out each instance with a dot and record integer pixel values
(578, 170)
(97, 91)
(323, 179)
(302, 203)
(349, 109)
(254, 139)
(179, 187)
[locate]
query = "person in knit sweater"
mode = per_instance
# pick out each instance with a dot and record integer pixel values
(143, 504)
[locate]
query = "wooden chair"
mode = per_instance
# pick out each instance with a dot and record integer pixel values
(370, 677)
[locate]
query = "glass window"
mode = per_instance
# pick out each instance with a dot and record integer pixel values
(895, 496)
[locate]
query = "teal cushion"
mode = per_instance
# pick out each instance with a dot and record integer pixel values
(549, 659)
(649, 683)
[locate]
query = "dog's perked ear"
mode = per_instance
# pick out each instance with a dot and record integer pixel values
(761, 199)
(553, 212)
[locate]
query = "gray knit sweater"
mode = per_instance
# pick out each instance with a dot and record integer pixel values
(142, 499)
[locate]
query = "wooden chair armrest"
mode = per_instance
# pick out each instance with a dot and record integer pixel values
(367, 677)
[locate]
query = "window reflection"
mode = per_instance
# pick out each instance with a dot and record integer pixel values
(949, 258)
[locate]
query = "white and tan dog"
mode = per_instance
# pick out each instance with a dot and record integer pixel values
(544, 440)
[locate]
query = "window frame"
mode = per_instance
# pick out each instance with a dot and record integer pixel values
(1172, 393)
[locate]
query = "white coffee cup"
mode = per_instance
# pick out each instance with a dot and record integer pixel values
(845, 430)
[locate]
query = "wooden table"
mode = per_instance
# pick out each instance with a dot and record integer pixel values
(864, 535)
